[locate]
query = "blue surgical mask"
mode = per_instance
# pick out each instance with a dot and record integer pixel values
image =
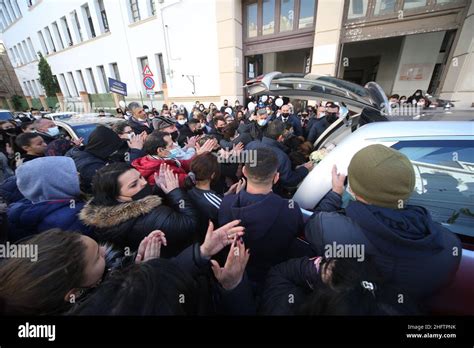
(53, 131)
(262, 123)
(173, 153)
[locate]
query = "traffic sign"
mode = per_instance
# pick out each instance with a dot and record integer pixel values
(147, 71)
(150, 92)
(148, 82)
(117, 86)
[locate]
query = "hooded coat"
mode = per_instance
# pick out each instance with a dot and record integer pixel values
(272, 225)
(50, 186)
(103, 142)
(126, 224)
(413, 253)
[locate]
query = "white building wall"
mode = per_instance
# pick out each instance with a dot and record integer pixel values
(187, 42)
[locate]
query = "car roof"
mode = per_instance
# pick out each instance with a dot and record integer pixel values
(85, 119)
(437, 115)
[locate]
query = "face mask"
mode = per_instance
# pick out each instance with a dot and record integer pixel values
(262, 123)
(174, 135)
(182, 122)
(37, 117)
(285, 115)
(53, 131)
(130, 136)
(225, 104)
(145, 192)
(173, 153)
(201, 108)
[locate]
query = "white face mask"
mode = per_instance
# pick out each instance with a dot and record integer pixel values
(130, 135)
(37, 117)
(182, 122)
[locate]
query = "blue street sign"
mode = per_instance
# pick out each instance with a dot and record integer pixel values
(148, 82)
(117, 86)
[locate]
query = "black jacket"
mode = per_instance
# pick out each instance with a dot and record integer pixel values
(253, 129)
(288, 177)
(414, 253)
(294, 279)
(272, 225)
(208, 204)
(126, 224)
(184, 133)
(138, 127)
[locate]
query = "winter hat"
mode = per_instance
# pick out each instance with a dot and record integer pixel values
(48, 179)
(160, 123)
(382, 176)
(103, 142)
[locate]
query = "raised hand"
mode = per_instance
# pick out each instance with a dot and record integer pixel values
(150, 246)
(217, 240)
(230, 276)
(168, 181)
(337, 181)
(136, 142)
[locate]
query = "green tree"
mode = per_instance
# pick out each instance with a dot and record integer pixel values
(46, 77)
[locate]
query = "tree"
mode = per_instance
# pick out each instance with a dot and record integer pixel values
(46, 77)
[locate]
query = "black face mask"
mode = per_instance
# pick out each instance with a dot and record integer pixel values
(145, 192)
(285, 115)
(331, 117)
(174, 136)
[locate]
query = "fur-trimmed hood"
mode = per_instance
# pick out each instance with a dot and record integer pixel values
(108, 216)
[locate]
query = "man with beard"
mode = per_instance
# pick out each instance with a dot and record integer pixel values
(139, 119)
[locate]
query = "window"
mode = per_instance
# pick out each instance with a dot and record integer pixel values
(383, 7)
(81, 80)
(78, 26)
(40, 87)
(89, 20)
(31, 47)
(306, 14)
(90, 76)
(143, 63)
(287, 15)
(58, 34)
(73, 84)
(27, 51)
(252, 20)
(42, 42)
(49, 37)
(20, 59)
(134, 10)
(116, 71)
(104, 77)
(162, 68)
(444, 180)
(153, 7)
(64, 83)
(268, 23)
(409, 4)
(68, 32)
(34, 88)
(357, 9)
(442, 2)
(103, 15)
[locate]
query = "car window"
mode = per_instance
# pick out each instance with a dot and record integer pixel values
(64, 133)
(84, 131)
(444, 180)
(5, 115)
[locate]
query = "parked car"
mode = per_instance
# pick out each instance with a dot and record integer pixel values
(75, 126)
(440, 145)
(6, 115)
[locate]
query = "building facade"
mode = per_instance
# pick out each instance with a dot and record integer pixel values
(206, 49)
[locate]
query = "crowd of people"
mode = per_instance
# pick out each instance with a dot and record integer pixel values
(152, 217)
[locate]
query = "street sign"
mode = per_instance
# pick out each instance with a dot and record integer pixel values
(150, 92)
(147, 71)
(148, 82)
(117, 86)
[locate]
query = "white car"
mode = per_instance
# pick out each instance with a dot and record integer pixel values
(77, 126)
(439, 143)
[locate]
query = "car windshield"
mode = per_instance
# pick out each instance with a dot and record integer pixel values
(5, 115)
(84, 130)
